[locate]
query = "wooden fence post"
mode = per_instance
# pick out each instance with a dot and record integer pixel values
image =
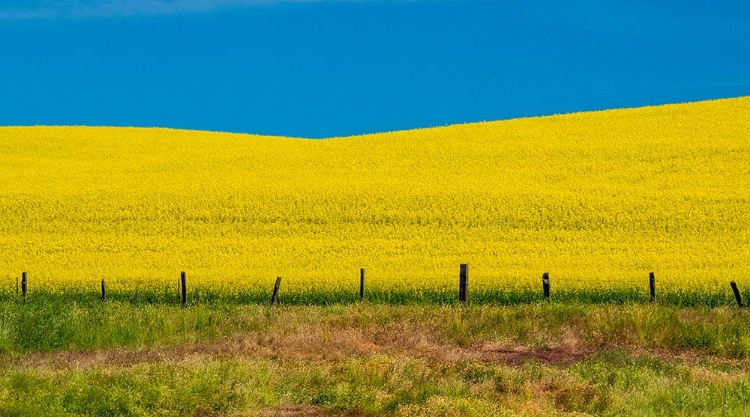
(652, 286)
(545, 285)
(104, 291)
(463, 284)
(275, 296)
(183, 288)
(737, 295)
(361, 283)
(24, 284)
(16, 286)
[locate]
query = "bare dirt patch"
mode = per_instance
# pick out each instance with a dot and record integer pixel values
(295, 410)
(518, 355)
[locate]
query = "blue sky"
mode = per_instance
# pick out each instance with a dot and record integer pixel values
(326, 68)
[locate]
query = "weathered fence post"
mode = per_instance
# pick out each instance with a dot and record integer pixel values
(275, 296)
(16, 286)
(183, 288)
(24, 285)
(463, 284)
(652, 286)
(361, 283)
(104, 291)
(737, 295)
(545, 285)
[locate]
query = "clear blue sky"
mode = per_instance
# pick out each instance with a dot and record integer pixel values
(332, 68)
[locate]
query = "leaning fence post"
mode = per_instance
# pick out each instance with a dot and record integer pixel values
(275, 296)
(361, 283)
(736, 293)
(24, 284)
(463, 284)
(183, 288)
(104, 291)
(652, 286)
(545, 285)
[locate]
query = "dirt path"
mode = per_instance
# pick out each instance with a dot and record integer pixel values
(309, 347)
(316, 344)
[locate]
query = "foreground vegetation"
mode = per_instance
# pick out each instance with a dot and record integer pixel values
(201, 294)
(121, 358)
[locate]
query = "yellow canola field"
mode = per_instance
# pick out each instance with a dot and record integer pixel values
(596, 199)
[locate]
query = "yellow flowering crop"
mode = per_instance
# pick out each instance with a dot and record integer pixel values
(597, 199)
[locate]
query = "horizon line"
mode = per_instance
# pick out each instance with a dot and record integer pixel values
(380, 132)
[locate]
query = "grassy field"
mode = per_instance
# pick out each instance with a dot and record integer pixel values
(117, 358)
(598, 200)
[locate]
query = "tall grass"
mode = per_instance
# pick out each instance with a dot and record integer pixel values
(71, 358)
(62, 324)
(201, 294)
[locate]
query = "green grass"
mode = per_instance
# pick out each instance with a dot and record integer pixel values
(402, 296)
(613, 384)
(53, 324)
(85, 357)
